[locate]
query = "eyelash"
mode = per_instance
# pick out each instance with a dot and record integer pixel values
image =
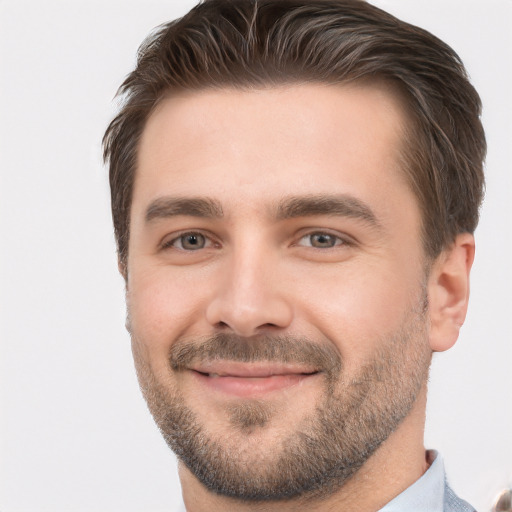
(339, 241)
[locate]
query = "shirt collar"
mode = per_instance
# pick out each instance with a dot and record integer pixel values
(424, 495)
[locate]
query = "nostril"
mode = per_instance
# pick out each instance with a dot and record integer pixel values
(260, 328)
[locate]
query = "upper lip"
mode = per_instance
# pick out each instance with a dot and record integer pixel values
(251, 370)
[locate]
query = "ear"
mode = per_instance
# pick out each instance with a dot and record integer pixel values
(448, 292)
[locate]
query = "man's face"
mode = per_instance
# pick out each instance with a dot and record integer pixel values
(276, 284)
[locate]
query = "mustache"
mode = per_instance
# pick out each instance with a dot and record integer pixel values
(265, 348)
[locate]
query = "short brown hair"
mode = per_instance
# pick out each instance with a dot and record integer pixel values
(260, 43)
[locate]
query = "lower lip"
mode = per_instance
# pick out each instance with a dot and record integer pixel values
(251, 386)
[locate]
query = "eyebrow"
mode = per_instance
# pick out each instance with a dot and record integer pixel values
(165, 207)
(291, 207)
(331, 205)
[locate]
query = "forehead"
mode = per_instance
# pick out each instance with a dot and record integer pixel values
(268, 143)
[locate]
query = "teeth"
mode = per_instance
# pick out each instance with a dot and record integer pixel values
(214, 375)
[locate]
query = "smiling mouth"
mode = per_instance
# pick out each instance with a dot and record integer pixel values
(249, 380)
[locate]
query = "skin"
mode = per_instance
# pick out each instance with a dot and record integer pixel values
(258, 273)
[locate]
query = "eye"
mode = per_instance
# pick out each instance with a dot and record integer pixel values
(188, 242)
(321, 240)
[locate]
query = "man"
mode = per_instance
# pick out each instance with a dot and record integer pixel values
(294, 190)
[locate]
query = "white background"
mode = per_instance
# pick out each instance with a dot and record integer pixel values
(75, 434)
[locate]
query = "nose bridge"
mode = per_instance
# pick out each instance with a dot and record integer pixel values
(248, 297)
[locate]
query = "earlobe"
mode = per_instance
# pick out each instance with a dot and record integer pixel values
(448, 290)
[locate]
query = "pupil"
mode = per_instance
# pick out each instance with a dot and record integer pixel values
(192, 241)
(322, 240)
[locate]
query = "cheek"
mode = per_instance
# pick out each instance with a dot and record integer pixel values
(162, 307)
(355, 309)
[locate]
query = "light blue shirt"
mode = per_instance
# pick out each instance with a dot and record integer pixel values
(431, 493)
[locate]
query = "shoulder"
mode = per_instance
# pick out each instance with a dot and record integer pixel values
(452, 503)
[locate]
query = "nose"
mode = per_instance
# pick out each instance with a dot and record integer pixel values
(250, 298)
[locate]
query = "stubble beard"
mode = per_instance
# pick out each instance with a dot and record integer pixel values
(321, 452)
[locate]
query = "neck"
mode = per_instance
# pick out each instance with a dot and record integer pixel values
(394, 466)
